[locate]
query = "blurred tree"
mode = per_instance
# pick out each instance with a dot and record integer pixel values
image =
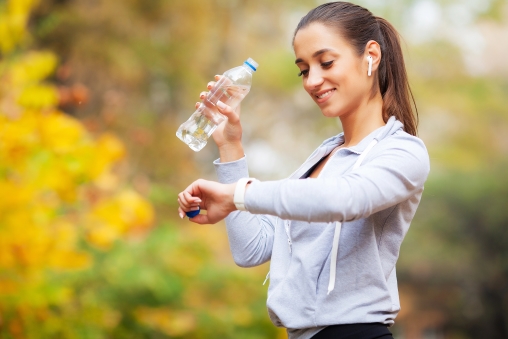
(462, 257)
(58, 187)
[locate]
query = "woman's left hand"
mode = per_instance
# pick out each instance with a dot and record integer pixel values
(211, 196)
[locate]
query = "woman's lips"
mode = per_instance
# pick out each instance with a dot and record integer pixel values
(323, 96)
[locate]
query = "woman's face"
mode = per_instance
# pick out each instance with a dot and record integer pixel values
(333, 74)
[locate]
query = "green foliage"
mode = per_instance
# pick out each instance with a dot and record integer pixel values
(168, 285)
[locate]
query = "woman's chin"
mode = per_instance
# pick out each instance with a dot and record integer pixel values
(330, 113)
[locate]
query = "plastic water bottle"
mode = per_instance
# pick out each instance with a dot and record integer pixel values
(231, 88)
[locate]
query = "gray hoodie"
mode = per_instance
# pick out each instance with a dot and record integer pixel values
(333, 241)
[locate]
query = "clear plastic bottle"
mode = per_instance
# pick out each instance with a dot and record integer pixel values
(231, 88)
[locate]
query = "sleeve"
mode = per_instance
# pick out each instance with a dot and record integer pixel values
(250, 236)
(393, 172)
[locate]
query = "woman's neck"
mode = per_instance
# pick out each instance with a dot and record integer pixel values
(361, 122)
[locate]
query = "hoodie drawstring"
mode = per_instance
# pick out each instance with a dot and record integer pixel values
(287, 226)
(338, 226)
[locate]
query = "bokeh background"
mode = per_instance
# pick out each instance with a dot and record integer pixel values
(91, 94)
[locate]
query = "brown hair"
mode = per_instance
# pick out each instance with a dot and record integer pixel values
(358, 25)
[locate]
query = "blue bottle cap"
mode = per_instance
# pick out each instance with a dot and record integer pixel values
(251, 63)
(192, 214)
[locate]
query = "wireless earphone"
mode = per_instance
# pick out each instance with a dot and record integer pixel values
(369, 72)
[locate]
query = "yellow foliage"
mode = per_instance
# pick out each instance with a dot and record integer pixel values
(113, 217)
(48, 165)
(32, 68)
(60, 133)
(109, 150)
(170, 322)
(13, 19)
(38, 96)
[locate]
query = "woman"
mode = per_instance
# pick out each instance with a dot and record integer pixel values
(334, 238)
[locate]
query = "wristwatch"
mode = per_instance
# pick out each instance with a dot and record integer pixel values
(239, 197)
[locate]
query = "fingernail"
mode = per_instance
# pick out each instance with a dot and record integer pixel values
(198, 201)
(181, 215)
(195, 208)
(221, 105)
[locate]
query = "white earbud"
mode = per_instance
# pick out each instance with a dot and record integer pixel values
(369, 73)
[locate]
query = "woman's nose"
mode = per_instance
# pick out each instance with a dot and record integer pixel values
(314, 79)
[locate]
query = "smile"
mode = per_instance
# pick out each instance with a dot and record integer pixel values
(325, 94)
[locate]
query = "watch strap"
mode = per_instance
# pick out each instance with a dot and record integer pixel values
(239, 197)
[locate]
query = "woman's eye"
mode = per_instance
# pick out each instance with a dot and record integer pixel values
(327, 64)
(303, 72)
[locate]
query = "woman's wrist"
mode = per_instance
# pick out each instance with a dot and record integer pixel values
(239, 195)
(231, 152)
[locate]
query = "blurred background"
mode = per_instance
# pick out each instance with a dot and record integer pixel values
(91, 95)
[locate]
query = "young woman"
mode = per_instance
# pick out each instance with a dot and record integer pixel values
(332, 230)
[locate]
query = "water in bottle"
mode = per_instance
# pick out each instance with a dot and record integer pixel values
(231, 88)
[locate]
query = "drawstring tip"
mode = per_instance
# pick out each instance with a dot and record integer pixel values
(329, 292)
(267, 276)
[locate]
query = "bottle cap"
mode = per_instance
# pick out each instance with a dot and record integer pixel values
(251, 63)
(192, 214)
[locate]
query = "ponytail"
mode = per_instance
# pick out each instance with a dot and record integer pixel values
(393, 80)
(357, 25)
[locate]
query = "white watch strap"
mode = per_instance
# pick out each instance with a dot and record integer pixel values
(239, 197)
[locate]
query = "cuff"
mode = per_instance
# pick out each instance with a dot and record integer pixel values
(231, 172)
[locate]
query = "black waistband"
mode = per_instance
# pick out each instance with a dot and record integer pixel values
(355, 331)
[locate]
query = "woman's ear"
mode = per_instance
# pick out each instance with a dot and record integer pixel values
(372, 56)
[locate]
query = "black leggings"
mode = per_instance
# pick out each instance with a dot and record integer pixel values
(355, 331)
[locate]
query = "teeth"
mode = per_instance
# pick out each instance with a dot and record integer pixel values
(324, 94)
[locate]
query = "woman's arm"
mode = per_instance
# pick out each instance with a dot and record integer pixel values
(250, 237)
(392, 173)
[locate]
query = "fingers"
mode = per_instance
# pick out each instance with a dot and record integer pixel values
(194, 201)
(181, 213)
(228, 112)
(213, 197)
(212, 83)
(209, 86)
(187, 203)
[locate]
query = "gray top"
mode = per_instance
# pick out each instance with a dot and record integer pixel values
(293, 222)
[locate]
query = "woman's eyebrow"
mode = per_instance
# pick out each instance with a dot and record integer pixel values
(321, 51)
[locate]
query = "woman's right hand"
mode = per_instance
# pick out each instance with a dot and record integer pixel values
(228, 135)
